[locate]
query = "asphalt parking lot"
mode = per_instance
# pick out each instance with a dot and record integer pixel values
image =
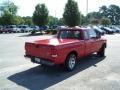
(91, 73)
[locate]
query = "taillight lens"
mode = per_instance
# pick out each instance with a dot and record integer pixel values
(54, 53)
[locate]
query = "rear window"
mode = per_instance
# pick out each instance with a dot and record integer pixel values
(12, 26)
(70, 34)
(24, 26)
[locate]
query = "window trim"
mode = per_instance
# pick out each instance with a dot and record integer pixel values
(86, 31)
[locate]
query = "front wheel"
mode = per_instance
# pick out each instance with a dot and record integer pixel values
(101, 52)
(70, 62)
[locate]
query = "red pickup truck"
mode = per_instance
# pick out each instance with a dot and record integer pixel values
(70, 45)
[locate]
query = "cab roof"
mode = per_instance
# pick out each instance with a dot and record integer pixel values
(74, 28)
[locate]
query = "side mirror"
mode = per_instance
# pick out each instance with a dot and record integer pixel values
(98, 36)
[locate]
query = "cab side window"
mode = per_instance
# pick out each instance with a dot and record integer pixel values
(92, 33)
(77, 35)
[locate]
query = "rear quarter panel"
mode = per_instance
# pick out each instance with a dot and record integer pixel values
(65, 50)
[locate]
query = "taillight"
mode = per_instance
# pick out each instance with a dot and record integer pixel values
(54, 53)
(25, 45)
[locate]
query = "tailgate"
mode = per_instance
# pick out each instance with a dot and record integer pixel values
(38, 50)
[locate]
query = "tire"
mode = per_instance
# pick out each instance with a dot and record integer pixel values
(101, 52)
(70, 62)
(22, 31)
(32, 32)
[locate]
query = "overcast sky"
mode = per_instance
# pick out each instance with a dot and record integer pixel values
(56, 7)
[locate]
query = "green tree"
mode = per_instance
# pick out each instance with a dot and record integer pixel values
(94, 21)
(60, 22)
(28, 20)
(1, 21)
(9, 7)
(82, 20)
(92, 16)
(104, 11)
(40, 15)
(71, 14)
(7, 19)
(55, 21)
(52, 21)
(112, 12)
(8, 13)
(105, 21)
(18, 20)
(95, 15)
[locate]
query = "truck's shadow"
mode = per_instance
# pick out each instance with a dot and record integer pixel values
(39, 78)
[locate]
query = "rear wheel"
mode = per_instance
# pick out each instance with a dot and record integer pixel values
(70, 62)
(101, 52)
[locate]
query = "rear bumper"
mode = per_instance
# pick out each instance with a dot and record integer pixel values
(42, 61)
